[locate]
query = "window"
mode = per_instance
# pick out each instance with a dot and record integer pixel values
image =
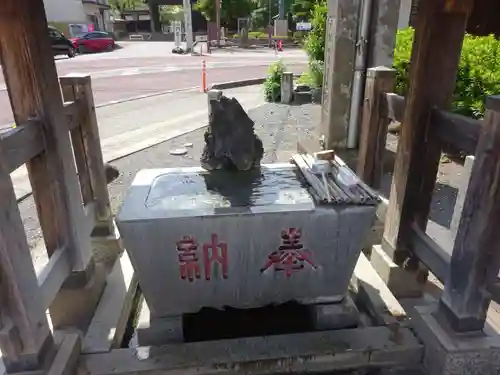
(54, 33)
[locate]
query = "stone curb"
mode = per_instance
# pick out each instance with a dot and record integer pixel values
(139, 97)
(242, 83)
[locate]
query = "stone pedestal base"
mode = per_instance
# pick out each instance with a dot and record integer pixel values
(447, 353)
(74, 307)
(334, 315)
(402, 283)
(157, 332)
(107, 249)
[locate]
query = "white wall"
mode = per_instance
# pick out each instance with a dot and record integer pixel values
(404, 14)
(64, 11)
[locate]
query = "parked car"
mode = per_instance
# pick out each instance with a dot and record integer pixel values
(95, 41)
(60, 44)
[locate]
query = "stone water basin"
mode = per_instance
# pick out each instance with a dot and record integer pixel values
(240, 239)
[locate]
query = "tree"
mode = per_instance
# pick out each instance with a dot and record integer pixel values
(260, 16)
(302, 9)
(169, 13)
(120, 6)
(230, 11)
(315, 41)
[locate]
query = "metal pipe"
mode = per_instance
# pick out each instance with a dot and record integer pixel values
(359, 74)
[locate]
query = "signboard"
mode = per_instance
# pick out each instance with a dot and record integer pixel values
(77, 28)
(177, 33)
(303, 26)
(201, 38)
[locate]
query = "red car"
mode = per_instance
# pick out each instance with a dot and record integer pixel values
(95, 41)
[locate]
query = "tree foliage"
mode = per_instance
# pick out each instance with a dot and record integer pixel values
(478, 73)
(120, 6)
(169, 13)
(230, 10)
(315, 41)
(302, 9)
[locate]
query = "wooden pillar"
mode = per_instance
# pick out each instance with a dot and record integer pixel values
(374, 124)
(475, 260)
(34, 91)
(436, 52)
(31, 78)
(26, 342)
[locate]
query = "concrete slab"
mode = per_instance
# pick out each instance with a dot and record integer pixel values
(293, 353)
(448, 353)
(372, 292)
(401, 282)
(108, 325)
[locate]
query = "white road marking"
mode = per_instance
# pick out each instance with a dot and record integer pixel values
(131, 72)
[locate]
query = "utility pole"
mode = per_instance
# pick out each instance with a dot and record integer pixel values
(281, 9)
(188, 25)
(217, 19)
(270, 11)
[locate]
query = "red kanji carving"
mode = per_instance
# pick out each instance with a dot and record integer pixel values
(290, 255)
(188, 258)
(211, 254)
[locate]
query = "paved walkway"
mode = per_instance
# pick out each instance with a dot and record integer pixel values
(132, 126)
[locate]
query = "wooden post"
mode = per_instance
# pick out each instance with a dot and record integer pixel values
(435, 59)
(475, 260)
(374, 124)
(31, 78)
(25, 337)
(70, 94)
(92, 152)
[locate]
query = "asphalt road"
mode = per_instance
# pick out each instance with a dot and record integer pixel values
(145, 68)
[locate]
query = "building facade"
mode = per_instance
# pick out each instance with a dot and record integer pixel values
(75, 16)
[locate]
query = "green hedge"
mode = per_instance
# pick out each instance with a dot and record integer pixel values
(478, 75)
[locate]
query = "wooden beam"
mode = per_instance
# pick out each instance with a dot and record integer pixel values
(435, 59)
(475, 259)
(34, 91)
(395, 106)
(25, 336)
(70, 95)
(374, 124)
(21, 144)
(53, 275)
(429, 253)
(92, 147)
(458, 131)
(95, 160)
(293, 353)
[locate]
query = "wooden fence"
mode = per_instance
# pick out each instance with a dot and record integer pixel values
(470, 273)
(69, 209)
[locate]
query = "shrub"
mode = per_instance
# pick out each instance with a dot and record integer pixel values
(272, 85)
(478, 74)
(313, 77)
(315, 40)
(299, 36)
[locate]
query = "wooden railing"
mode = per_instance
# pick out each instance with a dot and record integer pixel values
(470, 272)
(67, 218)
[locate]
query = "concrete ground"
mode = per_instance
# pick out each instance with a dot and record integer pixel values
(148, 68)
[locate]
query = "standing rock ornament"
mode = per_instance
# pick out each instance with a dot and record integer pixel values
(230, 140)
